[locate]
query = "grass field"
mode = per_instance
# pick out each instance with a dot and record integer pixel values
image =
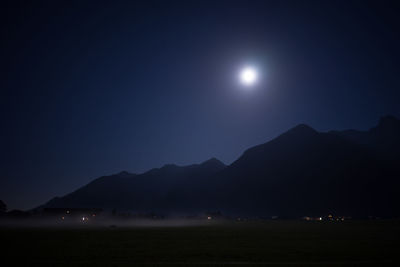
(301, 243)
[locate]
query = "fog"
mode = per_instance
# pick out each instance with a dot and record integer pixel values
(104, 223)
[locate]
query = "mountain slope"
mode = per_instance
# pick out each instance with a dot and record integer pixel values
(305, 172)
(166, 189)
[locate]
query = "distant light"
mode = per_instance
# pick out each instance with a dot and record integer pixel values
(62, 218)
(209, 218)
(248, 76)
(67, 211)
(320, 218)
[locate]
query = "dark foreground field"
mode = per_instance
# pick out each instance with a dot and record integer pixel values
(360, 243)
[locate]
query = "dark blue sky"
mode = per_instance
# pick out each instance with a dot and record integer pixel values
(92, 88)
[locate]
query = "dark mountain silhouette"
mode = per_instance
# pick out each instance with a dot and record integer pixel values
(384, 138)
(171, 188)
(306, 172)
(301, 172)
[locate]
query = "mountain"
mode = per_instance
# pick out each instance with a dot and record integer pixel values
(305, 172)
(170, 188)
(301, 172)
(384, 138)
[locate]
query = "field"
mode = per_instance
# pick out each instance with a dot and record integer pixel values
(299, 243)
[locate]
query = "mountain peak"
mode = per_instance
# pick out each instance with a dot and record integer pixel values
(302, 129)
(213, 163)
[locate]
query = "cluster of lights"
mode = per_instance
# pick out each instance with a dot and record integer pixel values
(83, 219)
(330, 217)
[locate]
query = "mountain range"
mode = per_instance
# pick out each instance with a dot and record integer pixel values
(302, 172)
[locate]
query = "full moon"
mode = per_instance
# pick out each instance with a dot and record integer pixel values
(248, 76)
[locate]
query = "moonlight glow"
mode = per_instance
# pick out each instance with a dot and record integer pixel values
(248, 76)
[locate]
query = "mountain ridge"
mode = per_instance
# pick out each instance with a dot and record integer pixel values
(302, 171)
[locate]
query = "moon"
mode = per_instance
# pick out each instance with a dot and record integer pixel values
(248, 76)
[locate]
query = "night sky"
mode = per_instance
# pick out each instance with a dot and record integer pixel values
(91, 88)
